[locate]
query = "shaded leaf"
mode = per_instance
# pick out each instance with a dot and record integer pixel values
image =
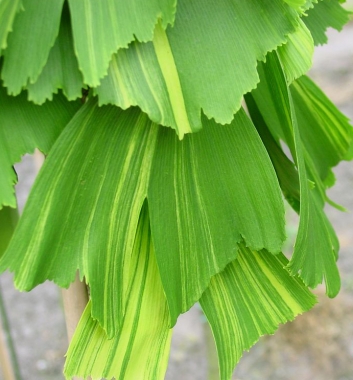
(34, 33)
(140, 350)
(8, 10)
(325, 14)
(24, 127)
(314, 251)
(61, 70)
(8, 221)
(250, 298)
(176, 75)
(102, 27)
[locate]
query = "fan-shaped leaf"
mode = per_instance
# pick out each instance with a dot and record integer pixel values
(8, 10)
(250, 298)
(102, 27)
(24, 127)
(325, 14)
(175, 76)
(61, 70)
(140, 349)
(34, 33)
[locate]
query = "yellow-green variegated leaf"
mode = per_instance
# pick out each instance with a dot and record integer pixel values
(8, 10)
(85, 206)
(8, 221)
(325, 14)
(89, 193)
(315, 247)
(34, 32)
(61, 70)
(207, 61)
(296, 55)
(140, 350)
(206, 193)
(102, 27)
(24, 127)
(250, 298)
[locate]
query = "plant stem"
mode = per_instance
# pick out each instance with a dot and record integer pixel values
(75, 299)
(8, 357)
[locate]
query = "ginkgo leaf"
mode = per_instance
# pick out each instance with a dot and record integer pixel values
(140, 350)
(102, 27)
(213, 196)
(325, 14)
(104, 165)
(24, 127)
(175, 76)
(314, 251)
(8, 10)
(8, 221)
(250, 298)
(61, 70)
(296, 55)
(34, 32)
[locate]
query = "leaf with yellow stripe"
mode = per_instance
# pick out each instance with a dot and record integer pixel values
(89, 193)
(206, 193)
(315, 250)
(175, 76)
(103, 27)
(34, 32)
(85, 206)
(24, 127)
(140, 350)
(250, 298)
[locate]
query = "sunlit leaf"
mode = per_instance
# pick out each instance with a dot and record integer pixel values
(8, 221)
(34, 32)
(175, 76)
(314, 251)
(104, 165)
(296, 55)
(140, 350)
(24, 127)
(102, 27)
(61, 70)
(325, 14)
(207, 193)
(250, 298)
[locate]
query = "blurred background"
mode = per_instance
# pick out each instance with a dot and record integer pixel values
(316, 346)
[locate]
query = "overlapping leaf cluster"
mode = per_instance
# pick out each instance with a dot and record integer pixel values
(154, 218)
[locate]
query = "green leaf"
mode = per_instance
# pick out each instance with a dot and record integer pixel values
(8, 221)
(98, 170)
(296, 55)
(104, 165)
(140, 350)
(8, 10)
(205, 195)
(34, 33)
(250, 298)
(325, 14)
(314, 251)
(102, 27)
(61, 70)
(24, 127)
(175, 76)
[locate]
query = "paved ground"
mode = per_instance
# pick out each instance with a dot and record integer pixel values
(318, 346)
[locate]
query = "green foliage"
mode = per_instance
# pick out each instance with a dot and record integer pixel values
(152, 223)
